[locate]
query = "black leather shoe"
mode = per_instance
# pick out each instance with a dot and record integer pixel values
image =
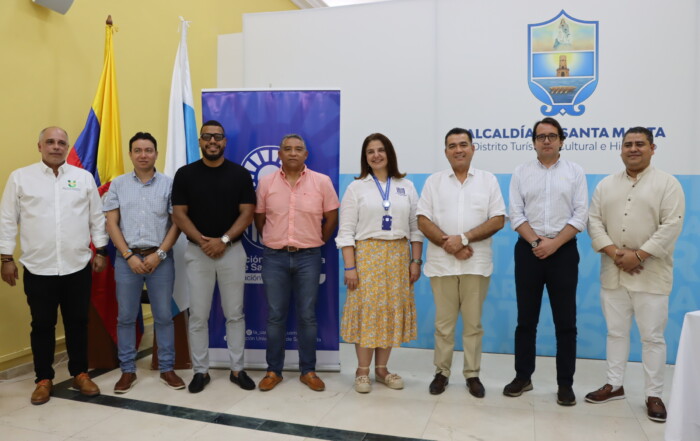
(198, 382)
(516, 387)
(475, 387)
(565, 396)
(438, 385)
(242, 380)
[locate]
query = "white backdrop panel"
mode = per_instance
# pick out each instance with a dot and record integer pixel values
(381, 56)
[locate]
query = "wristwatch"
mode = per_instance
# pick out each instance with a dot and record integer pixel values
(465, 241)
(418, 261)
(225, 239)
(534, 243)
(162, 255)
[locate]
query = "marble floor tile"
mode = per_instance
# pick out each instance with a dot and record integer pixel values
(57, 417)
(556, 426)
(132, 425)
(17, 433)
(456, 422)
(380, 414)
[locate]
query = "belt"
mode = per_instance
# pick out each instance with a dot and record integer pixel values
(144, 251)
(291, 249)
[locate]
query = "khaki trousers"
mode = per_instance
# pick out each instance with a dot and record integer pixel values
(454, 295)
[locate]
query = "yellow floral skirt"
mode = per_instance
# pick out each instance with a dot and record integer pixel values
(381, 312)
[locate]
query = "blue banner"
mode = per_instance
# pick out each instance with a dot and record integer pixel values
(255, 122)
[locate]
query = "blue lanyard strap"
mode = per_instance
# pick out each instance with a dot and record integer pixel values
(385, 193)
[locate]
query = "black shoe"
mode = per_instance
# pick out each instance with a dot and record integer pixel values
(198, 382)
(475, 387)
(242, 380)
(565, 396)
(517, 387)
(438, 385)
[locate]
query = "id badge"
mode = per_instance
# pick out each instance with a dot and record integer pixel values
(386, 222)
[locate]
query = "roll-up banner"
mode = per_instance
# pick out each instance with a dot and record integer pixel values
(255, 122)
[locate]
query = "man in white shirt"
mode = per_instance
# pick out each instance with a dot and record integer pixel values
(635, 219)
(548, 207)
(60, 210)
(459, 210)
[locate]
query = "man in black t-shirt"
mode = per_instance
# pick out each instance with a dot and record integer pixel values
(213, 203)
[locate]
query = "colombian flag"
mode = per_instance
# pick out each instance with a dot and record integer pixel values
(99, 151)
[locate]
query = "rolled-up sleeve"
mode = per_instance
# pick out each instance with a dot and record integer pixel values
(516, 204)
(579, 216)
(596, 228)
(671, 213)
(9, 216)
(98, 233)
(349, 216)
(415, 234)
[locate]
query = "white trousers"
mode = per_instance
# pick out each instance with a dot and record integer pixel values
(651, 314)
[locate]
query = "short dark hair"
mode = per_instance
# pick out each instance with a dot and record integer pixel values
(213, 122)
(642, 130)
(392, 166)
(459, 131)
(550, 121)
(143, 135)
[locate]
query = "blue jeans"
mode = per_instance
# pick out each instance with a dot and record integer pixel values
(160, 294)
(283, 273)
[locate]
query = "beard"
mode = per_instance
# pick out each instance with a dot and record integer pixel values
(212, 157)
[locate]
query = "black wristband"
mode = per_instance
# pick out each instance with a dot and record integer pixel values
(101, 251)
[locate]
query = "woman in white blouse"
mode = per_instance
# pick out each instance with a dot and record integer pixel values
(381, 247)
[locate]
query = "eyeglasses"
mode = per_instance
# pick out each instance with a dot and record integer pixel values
(209, 136)
(551, 137)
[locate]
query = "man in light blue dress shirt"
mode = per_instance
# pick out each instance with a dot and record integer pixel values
(138, 210)
(548, 207)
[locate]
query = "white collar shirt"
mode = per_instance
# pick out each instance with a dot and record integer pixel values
(361, 212)
(548, 198)
(457, 207)
(58, 216)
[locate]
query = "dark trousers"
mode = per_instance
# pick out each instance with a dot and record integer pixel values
(45, 294)
(559, 273)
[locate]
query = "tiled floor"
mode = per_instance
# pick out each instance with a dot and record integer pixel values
(293, 412)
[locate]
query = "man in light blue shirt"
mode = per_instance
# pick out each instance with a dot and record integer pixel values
(548, 207)
(138, 210)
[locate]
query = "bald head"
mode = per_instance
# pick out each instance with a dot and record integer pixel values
(52, 128)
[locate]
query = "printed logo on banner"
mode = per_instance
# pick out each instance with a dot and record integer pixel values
(260, 162)
(563, 63)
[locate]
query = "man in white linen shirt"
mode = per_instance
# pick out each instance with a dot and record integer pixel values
(59, 210)
(635, 219)
(548, 207)
(459, 210)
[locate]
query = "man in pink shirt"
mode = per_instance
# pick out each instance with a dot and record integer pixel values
(296, 212)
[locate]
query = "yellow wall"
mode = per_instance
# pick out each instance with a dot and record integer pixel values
(51, 64)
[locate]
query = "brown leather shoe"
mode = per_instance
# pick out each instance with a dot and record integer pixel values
(42, 392)
(83, 384)
(656, 411)
(172, 380)
(605, 394)
(269, 381)
(125, 383)
(311, 379)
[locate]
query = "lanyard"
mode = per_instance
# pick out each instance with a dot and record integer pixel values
(385, 193)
